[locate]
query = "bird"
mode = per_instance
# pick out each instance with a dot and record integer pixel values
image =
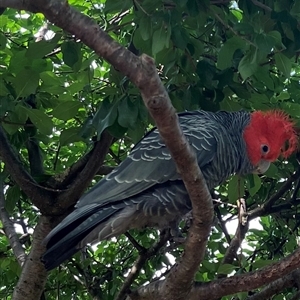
(146, 190)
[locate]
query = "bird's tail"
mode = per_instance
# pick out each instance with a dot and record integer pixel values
(65, 239)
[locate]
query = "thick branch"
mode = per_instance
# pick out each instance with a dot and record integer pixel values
(33, 277)
(275, 287)
(10, 231)
(230, 285)
(178, 283)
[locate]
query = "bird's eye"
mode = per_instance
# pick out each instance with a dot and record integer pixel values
(264, 149)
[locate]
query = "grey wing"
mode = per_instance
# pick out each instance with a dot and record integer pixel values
(148, 164)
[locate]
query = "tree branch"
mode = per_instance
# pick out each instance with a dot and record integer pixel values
(142, 72)
(261, 5)
(80, 183)
(230, 285)
(276, 286)
(235, 244)
(265, 208)
(33, 276)
(144, 255)
(10, 231)
(31, 188)
(180, 278)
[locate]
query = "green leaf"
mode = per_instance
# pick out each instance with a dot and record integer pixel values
(40, 49)
(264, 42)
(236, 189)
(10, 128)
(26, 82)
(3, 20)
(40, 120)
(12, 197)
(3, 41)
(237, 13)
(248, 64)
(72, 55)
(227, 50)
(261, 263)
(127, 113)
(276, 35)
(116, 130)
(136, 133)
(145, 27)
(254, 184)
(262, 74)
(160, 39)
(105, 116)
(66, 110)
(116, 6)
(22, 116)
(226, 269)
(70, 135)
(283, 64)
(284, 95)
(179, 37)
(87, 129)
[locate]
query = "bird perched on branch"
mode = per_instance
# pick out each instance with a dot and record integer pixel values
(145, 190)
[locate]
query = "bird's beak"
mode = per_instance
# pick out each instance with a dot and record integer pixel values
(261, 167)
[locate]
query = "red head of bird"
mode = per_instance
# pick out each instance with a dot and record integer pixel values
(268, 135)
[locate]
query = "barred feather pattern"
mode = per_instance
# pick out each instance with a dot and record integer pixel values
(145, 190)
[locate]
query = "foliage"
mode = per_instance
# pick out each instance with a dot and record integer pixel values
(57, 95)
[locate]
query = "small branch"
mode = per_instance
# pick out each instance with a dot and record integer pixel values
(105, 170)
(80, 183)
(261, 5)
(135, 244)
(223, 225)
(232, 30)
(35, 192)
(34, 156)
(9, 229)
(265, 208)
(69, 176)
(145, 254)
(231, 252)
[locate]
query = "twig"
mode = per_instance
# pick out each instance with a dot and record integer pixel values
(223, 225)
(136, 245)
(264, 209)
(235, 244)
(232, 30)
(261, 5)
(145, 254)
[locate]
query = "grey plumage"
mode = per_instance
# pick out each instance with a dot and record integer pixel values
(145, 190)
